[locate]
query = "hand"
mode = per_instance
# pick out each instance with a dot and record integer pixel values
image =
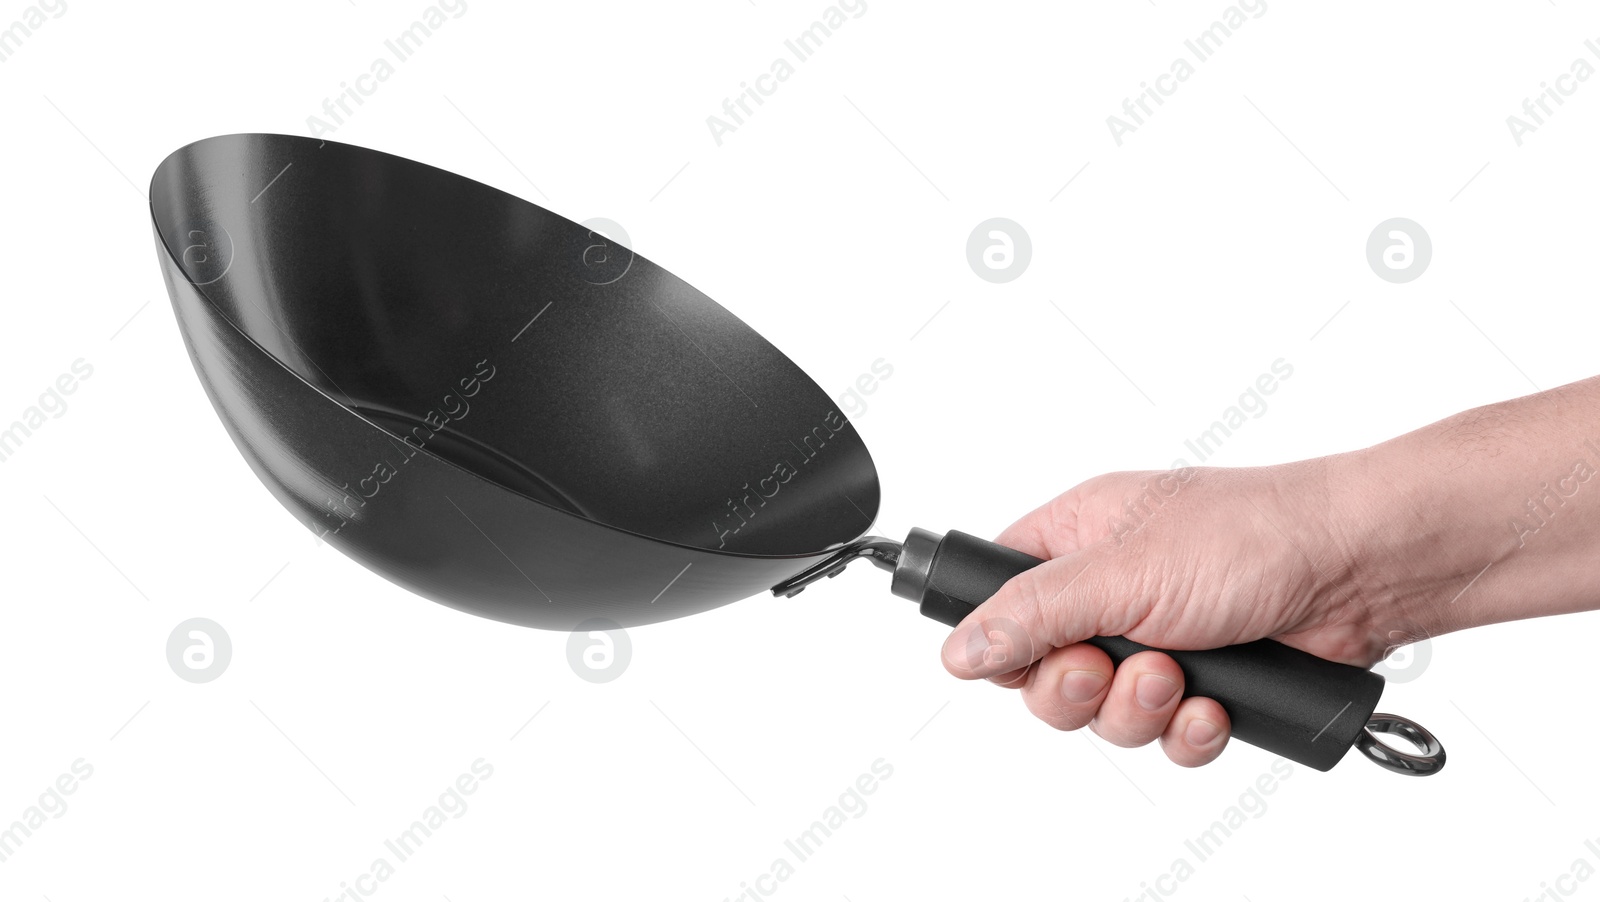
(1186, 559)
(1486, 516)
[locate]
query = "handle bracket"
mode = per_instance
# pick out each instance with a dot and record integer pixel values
(885, 553)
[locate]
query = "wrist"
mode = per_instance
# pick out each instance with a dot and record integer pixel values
(1414, 540)
(1487, 516)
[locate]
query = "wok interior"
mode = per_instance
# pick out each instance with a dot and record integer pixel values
(485, 330)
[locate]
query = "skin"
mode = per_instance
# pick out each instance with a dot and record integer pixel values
(1347, 557)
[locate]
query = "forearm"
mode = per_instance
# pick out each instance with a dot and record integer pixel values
(1490, 515)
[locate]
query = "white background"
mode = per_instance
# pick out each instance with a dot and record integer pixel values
(1222, 235)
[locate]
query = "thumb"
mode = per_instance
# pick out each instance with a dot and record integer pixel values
(1055, 604)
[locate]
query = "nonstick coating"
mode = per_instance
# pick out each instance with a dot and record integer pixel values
(485, 402)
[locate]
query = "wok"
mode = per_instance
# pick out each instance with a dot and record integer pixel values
(511, 414)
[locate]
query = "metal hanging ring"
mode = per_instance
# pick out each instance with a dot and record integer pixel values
(1429, 760)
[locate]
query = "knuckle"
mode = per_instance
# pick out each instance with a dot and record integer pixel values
(1055, 712)
(1122, 734)
(1063, 717)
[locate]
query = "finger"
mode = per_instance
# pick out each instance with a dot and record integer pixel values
(1076, 519)
(1053, 605)
(1036, 533)
(1145, 692)
(1197, 733)
(1013, 679)
(994, 649)
(1051, 529)
(1068, 685)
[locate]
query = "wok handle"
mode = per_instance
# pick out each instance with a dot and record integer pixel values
(1279, 698)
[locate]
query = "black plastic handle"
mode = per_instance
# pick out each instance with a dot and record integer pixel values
(1278, 698)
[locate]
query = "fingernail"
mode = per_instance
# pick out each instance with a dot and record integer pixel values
(1080, 686)
(967, 646)
(1201, 732)
(1154, 691)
